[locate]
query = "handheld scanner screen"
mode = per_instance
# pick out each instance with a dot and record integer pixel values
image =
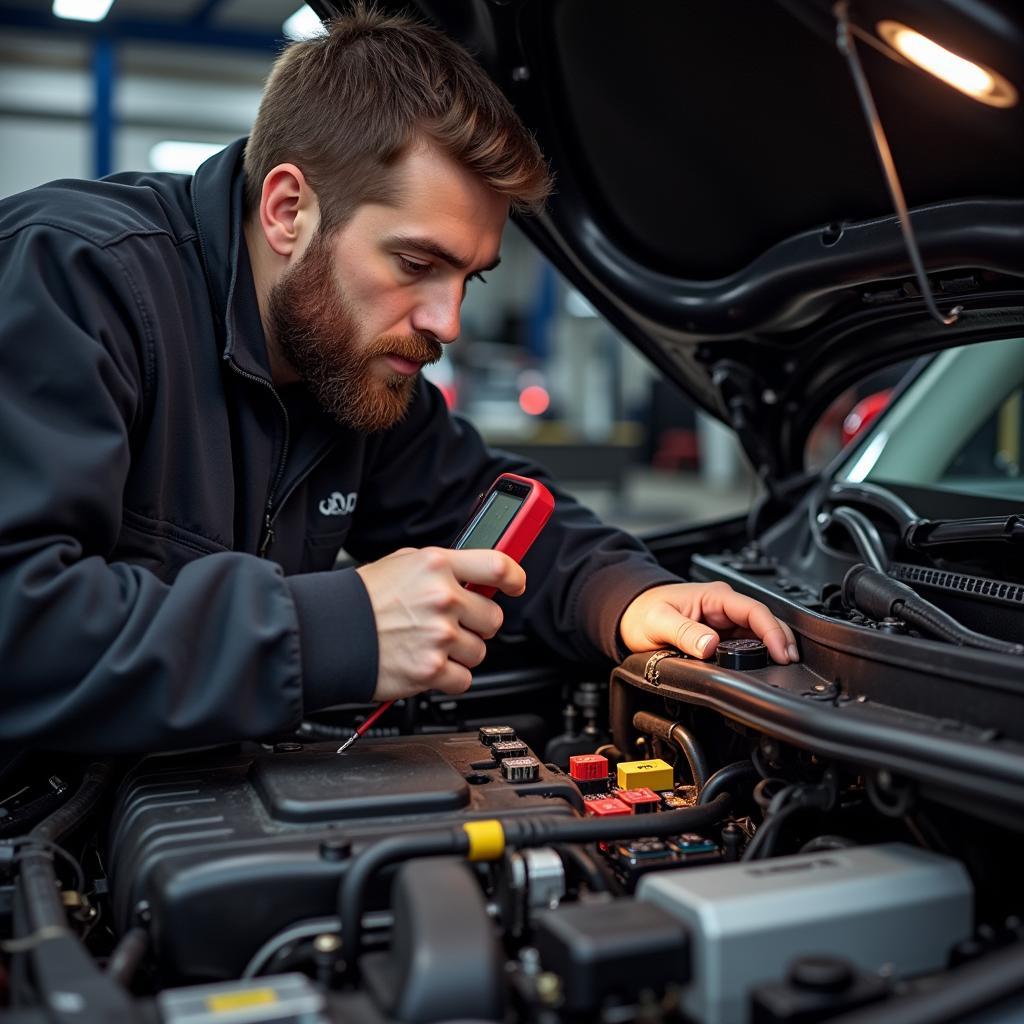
(508, 519)
(494, 517)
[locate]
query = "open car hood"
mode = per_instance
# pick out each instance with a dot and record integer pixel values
(719, 199)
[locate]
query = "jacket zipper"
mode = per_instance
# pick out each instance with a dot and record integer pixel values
(270, 512)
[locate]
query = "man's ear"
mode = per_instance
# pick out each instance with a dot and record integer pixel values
(289, 211)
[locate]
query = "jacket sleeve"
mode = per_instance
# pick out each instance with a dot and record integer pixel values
(99, 655)
(581, 574)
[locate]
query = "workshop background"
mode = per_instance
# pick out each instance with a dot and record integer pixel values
(88, 88)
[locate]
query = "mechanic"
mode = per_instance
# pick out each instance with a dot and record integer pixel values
(211, 384)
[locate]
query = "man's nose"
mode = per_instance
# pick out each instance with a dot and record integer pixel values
(439, 316)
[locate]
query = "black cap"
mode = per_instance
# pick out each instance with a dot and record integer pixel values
(743, 654)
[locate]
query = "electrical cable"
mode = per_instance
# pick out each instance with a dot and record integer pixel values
(784, 804)
(363, 729)
(866, 538)
(294, 933)
(847, 47)
(51, 848)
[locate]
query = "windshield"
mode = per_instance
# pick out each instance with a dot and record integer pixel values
(958, 427)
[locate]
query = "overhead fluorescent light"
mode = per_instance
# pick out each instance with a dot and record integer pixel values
(305, 23)
(974, 80)
(181, 157)
(82, 10)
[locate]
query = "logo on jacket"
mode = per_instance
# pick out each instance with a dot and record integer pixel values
(338, 504)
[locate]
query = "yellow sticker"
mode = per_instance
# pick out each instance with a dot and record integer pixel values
(241, 1000)
(654, 774)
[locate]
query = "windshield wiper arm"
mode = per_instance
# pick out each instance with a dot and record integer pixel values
(937, 533)
(921, 534)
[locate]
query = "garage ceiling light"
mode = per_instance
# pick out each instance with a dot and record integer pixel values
(82, 10)
(181, 157)
(305, 23)
(974, 80)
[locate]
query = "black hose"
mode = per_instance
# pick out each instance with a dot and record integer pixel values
(864, 533)
(59, 960)
(727, 779)
(523, 832)
(821, 843)
(874, 593)
(673, 732)
(127, 956)
(585, 865)
(36, 878)
(365, 864)
(784, 804)
(952, 996)
(519, 833)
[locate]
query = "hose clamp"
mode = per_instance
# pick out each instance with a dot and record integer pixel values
(651, 671)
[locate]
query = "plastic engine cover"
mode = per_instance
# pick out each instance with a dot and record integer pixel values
(216, 852)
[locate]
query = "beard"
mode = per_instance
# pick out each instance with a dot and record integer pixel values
(317, 331)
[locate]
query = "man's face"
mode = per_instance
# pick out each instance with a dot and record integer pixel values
(366, 307)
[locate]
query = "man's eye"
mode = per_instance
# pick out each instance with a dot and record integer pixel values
(478, 277)
(411, 266)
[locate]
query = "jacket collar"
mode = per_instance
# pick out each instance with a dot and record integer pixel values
(217, 202)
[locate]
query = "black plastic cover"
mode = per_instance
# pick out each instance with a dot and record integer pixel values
(364, 782)
(611, 949)
(218, 851)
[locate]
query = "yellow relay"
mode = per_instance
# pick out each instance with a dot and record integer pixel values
(654, 774)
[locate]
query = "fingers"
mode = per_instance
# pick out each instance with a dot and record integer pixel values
(667, 627)
(488, 569)
(749, 614)
(430, 629)
(690, 616)
(480, 615)
(433, 670)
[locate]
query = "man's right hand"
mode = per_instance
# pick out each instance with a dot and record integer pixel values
(430, 629)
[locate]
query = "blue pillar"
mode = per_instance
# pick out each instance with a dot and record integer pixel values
(103, 75)
(542, 312)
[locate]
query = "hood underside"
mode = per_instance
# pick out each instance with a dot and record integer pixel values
(720, 200)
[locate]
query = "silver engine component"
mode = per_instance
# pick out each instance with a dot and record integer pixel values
(891, 909)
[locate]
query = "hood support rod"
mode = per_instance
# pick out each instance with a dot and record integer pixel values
(844, 40)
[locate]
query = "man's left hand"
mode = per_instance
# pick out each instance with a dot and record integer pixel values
(680, 614)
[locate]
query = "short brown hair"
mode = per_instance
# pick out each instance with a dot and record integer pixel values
(346, 105)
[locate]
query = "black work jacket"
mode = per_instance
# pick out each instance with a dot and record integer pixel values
(169, 520)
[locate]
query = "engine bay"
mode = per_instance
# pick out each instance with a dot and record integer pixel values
(716, 842)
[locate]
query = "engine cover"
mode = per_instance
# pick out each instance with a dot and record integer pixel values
(216, 852)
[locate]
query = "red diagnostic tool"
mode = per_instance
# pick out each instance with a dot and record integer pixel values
(507, 518)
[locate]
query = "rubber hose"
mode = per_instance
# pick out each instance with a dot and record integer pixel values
(879, 596)
(127, 956)
(678, 736)
(520, 833)
(955, 995)
(728, 778)
(365, 864)
(37, 877)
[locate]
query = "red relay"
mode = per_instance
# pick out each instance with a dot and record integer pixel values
(640, 801)
(607, 807)
(588, 767)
